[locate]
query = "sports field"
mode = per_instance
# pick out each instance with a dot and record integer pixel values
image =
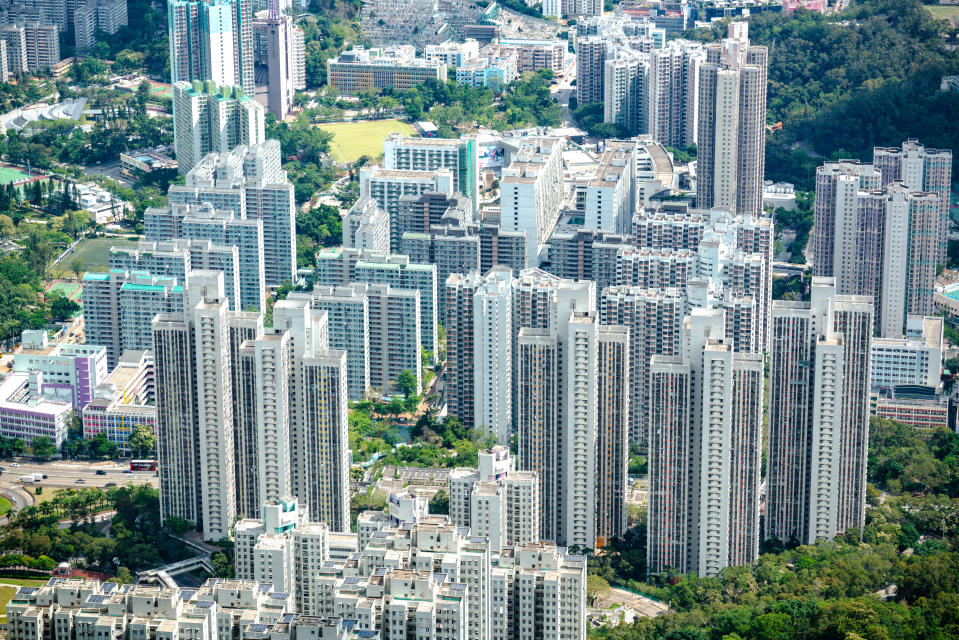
(94, 253)
(944, 11)
(354, 139)
(70, 290)
(10, 174)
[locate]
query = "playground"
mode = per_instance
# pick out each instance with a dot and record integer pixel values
(10, 174)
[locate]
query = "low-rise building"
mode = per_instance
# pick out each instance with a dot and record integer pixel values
(123, 401)
(496, 501)
(361, 69)
(70, 372)
(25, 413)
(913, 360)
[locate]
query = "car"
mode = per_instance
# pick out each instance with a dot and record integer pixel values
(101, 472)
(127, 471)
(14, 464)
(3, 468)
(44, 476)
(110, 484)
(80, 481)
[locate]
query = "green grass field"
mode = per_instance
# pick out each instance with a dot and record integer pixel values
(6, 595)
(25, 582)
(354, 139)
(5, 505)
(944, 11)
(94, 253)
(9, 174)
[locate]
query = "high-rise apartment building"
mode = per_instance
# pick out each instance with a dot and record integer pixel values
(319, 446)
(915, 360)
(819, 414)
(15, 45)
(386, 187)
(495, 500)
(274, 42)
(284, 549)
(337, 267)
(347, 309)
(879, 241)
(837, 189)
(120, 305)
(97, 15)
(731, 134)
(492, 354)
(261, 420)
(212, 40)
(429, 154)
(705, 439)
(208, 118)
(590, 69)
(195, 410)
(31, 46)
(611, 193)
(537, 418)
(532, 190)
(571, 407)
(920, 169)
(366, 227)
(674, 92)
(626, 90)
(251, 182)
(272, 416)
(654, 318)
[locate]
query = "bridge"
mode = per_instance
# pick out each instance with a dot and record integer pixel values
(163, 575)
(790, 269)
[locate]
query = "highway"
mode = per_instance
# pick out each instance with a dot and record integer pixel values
(63, 473)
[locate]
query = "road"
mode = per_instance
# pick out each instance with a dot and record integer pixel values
(63, 473)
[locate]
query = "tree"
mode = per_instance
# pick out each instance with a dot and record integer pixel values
(177, 525)
(142, 439)
(43, 447)
(440, 503)
(406, 383)
(595, 586)
(62, 308)
(7, 228)
(142, 95)
(76, 266)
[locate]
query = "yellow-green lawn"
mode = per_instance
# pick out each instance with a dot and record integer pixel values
(944, 11)
(354, 139)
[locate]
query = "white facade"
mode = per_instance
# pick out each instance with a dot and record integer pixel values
(818, 420)
(731, 124)
(705, 439)
(496, 501)
(250, 181)
(531, 191)
(913, 360)
(493, 356)
(610, 195)
(212, 118)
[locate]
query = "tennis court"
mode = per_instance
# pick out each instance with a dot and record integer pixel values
(71, 290)
(12, 174)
